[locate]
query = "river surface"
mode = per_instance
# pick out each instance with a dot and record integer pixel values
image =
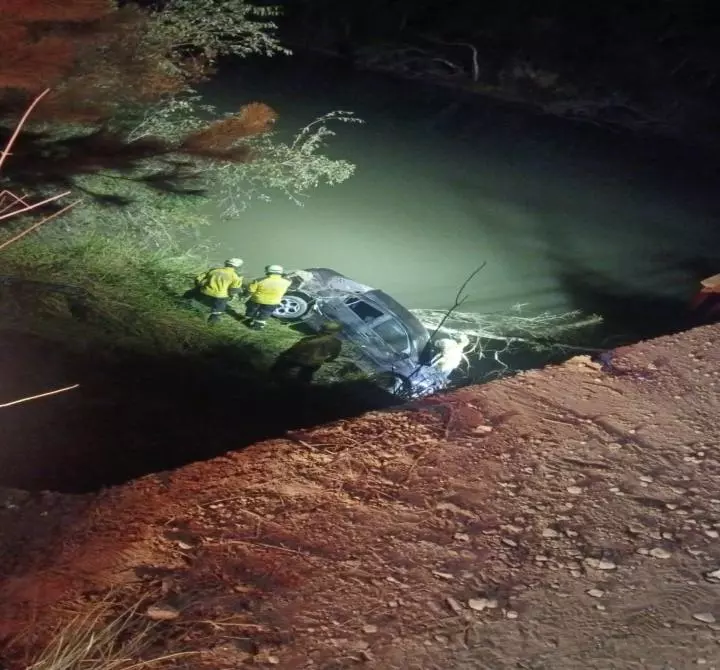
(566, 216)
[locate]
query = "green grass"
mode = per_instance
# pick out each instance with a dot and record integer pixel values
(133, 299)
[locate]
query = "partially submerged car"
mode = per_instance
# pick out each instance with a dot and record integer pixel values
(391, 343)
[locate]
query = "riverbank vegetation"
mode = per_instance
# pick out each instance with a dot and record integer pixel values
(118, 125)
(649, 67)
(119, 128)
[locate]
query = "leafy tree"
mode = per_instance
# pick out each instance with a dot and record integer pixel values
(122, 104)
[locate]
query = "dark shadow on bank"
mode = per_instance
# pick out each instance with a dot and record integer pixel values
(134, 415)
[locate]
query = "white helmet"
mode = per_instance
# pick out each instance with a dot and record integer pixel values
(274, 269)
(234, 262)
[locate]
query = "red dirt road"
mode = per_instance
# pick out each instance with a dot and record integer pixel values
(562, 519)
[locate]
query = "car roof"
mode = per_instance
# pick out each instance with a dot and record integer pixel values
(417, 331)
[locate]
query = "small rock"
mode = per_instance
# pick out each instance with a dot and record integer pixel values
(463, 537)
(596, 593)
(643, 551)
(584, 361)
(713, 576)
(600, 564)
(480, 604)
(454, 605)
(713, 534)
(635, 529)
(443, 575)
(370, 629)
(549, 532)
(512, 529)
(273, 660)
(571, 533)
(184, 545)
(659, 552)
(671, 506)
(705, 617)
(645, 478)
(162, 612)
(483, 429)
(509, 542)
(600, 607)
(574, 490)
(511, 614)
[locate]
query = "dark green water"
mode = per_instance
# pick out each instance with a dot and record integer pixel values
(566, 216)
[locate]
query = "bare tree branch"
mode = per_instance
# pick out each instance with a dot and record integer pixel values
(472, 47)
(459, 300)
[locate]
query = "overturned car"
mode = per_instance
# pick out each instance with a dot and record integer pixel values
(391, 344)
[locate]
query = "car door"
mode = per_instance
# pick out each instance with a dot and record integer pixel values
(358, 317)
(381, 336)
(395, 336)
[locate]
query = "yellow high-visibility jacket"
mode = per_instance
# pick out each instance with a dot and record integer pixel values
(219, 282)
(268, 290)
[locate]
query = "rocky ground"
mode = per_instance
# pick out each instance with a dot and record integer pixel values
(562, 519)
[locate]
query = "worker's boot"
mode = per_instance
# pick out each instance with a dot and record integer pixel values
(214, 317)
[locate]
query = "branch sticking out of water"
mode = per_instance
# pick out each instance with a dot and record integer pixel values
(460, 298)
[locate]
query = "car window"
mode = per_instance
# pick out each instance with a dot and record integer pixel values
(364, 310)
(394, 334)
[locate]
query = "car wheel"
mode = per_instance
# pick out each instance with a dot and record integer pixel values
(294, 305)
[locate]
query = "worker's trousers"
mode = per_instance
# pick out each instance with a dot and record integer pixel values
(258, 315)
(218, 306)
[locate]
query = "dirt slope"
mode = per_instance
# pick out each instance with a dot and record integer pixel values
(563, 519)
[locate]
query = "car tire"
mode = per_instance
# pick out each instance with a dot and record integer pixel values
(294, 306)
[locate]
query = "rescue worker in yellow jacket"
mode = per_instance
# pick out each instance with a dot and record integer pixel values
(218, 286)
(304, 358)
(265, 295)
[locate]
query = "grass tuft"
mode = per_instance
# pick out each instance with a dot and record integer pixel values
(101, 639)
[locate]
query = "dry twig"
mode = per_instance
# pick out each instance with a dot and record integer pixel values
(6, 151)
(43, 221)
(39, 395)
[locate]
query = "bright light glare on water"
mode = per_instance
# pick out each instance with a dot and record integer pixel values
(566, 218)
